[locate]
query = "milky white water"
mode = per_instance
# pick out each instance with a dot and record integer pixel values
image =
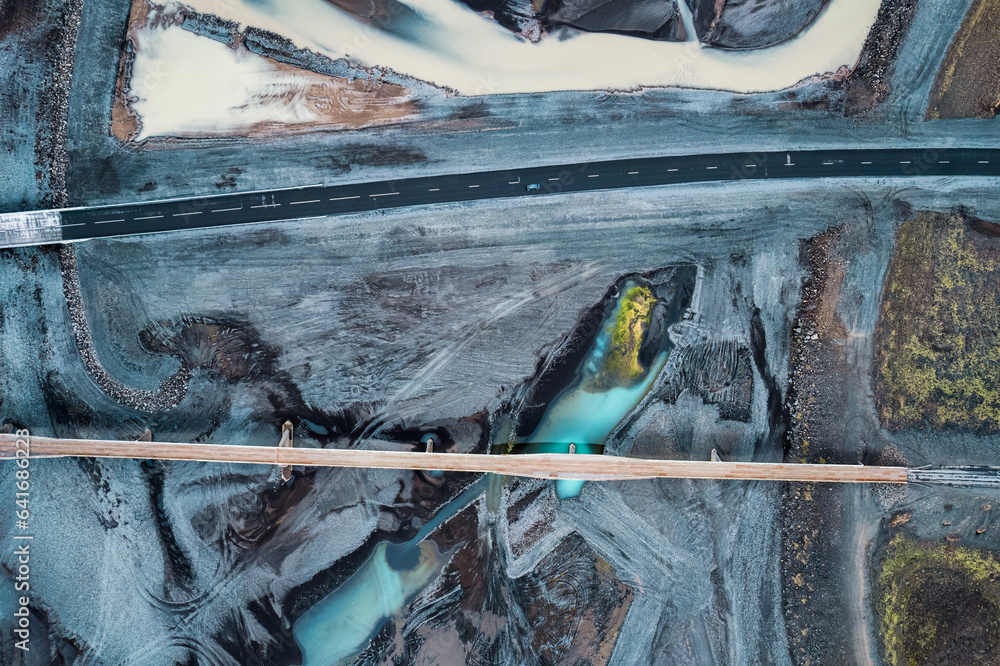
(473, 55)
(184, 84)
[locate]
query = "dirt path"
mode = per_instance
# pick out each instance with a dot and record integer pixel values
(863, 533)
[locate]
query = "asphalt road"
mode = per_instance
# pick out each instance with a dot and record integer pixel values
(321, 201)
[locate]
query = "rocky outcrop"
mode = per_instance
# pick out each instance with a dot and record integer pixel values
(752, 24)
(651, 19)
(654, 19)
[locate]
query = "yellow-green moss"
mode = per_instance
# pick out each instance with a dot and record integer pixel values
(939, 350)
(968, 84)
(913, 630)
(635, 311)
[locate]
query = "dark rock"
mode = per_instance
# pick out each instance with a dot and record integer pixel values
(868, 84)
(652, 19)
(752, 24)
(655, 19)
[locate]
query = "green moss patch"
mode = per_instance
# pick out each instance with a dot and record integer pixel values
(937, 338)
(634, 314)
(968, 84)
(939, 604)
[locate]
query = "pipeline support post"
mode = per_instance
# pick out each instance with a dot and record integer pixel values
(286, 442)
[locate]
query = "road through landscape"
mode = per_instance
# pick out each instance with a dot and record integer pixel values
(314, 201)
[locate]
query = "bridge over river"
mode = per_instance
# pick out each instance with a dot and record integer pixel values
(557, 466)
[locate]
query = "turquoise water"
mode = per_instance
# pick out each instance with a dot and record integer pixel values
(328, 633)
(586, 417)
(578, 416)
(339, 626)
(583, 418)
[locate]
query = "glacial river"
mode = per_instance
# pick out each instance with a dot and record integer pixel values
(448, 44)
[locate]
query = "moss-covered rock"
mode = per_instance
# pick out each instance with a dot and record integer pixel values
(938, 336)
(622, 366)
(939, 604)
